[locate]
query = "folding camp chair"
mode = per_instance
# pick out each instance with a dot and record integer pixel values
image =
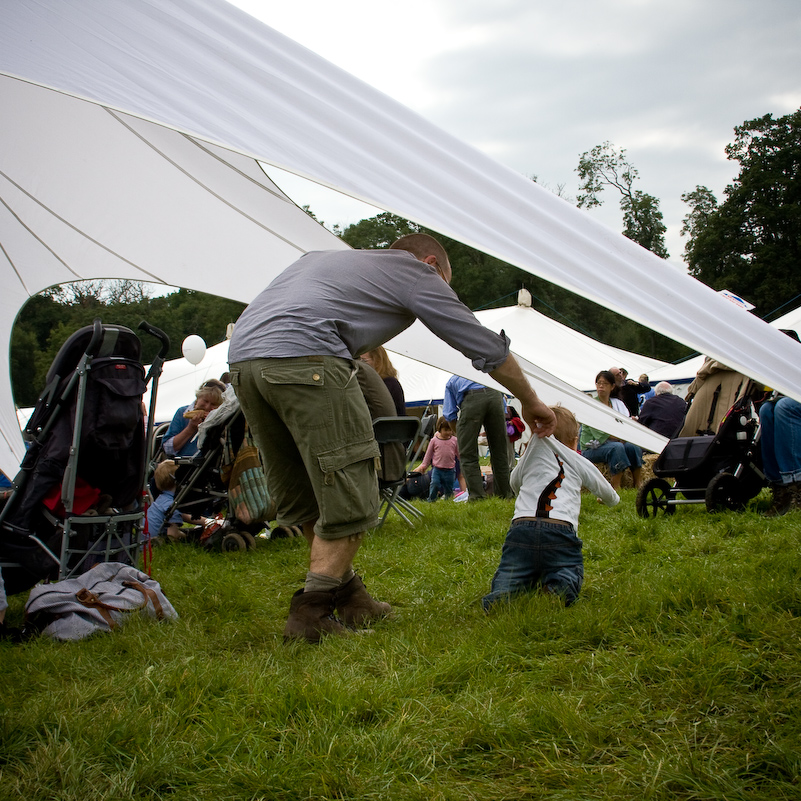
(394, 435)
(427, 424)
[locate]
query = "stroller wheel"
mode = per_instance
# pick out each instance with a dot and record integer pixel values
(724, 492)
(249, 539)
(233, 541)
(652, 497)
(281, 533)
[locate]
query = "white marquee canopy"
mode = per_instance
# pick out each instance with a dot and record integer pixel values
(128, 149)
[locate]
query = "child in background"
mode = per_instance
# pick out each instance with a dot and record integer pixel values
(542, 549)
(442, 452)
(164, 477)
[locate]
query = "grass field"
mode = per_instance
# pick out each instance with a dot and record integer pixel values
(677, 675)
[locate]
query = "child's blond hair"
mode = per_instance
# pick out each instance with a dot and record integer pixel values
(567, 427)
(164, 475)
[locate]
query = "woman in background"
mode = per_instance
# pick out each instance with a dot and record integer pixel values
(601, 448)
(379, 361)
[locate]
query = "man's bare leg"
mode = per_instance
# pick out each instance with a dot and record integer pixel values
(333, 557)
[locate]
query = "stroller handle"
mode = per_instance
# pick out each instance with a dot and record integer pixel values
(97, 336)
(158, 334)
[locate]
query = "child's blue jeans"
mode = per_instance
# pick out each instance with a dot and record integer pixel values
(441, 480)
(536, 554)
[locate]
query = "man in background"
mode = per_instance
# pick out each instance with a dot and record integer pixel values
(627, 390)
(472, 406)
(664, 413)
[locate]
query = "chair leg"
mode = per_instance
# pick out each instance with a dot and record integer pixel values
(402, 502)
(389, 501)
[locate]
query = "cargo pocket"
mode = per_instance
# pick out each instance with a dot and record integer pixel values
(349, 492)
(302, 381)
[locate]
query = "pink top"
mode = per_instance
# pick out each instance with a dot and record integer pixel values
(442, 453)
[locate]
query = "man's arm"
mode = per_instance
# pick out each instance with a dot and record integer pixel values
(536, 413)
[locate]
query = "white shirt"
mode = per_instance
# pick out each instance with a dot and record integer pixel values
(548, 481)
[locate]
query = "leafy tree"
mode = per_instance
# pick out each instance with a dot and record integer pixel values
(47, 320)
(702, 204)
(642, 220)
(751, 242)
(378, 232)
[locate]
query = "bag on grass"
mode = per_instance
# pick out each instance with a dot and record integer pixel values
(101, 599)
(247, 488)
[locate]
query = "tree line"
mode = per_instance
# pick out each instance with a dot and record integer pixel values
(48, 319)
(749, 243)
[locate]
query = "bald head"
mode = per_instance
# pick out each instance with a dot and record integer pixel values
(663, 388)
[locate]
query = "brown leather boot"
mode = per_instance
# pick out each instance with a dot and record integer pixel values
(356, 606)
(311, 616)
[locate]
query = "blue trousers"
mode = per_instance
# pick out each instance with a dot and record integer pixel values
(441, 481)
(781, 440)
(538, 554)
(618, 455)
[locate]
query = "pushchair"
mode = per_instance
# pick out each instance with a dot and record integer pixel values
(224, 483)
(77, 498)
(721, 470)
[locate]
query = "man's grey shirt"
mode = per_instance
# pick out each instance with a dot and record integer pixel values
(346, 302)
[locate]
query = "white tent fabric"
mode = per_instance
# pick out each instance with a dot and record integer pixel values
(573, 357)
(418, 339)
(127, 145)
(179, 380)
(684, 372)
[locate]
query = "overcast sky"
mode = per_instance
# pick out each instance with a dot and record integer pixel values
(534, 84)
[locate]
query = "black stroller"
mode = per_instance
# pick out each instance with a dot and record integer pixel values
(722, 470)
(224, 483)
(77, 498)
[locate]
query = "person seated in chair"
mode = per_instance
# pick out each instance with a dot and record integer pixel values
(180, 438)
(781, 453)
(157, 523)
(664, 413)
(601, 448)
(378, 359)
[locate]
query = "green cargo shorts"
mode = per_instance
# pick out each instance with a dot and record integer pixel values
(312, 427)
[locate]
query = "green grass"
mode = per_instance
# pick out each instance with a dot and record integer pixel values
(677, 675)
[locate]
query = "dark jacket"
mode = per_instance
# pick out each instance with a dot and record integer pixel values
(664, 414)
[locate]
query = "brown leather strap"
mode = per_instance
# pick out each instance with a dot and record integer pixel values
(149, 594)
(91, 601)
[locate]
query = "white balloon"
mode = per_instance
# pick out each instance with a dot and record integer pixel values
(194, 349)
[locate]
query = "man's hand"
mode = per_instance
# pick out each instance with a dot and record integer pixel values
(537, 414)
(540, 417)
